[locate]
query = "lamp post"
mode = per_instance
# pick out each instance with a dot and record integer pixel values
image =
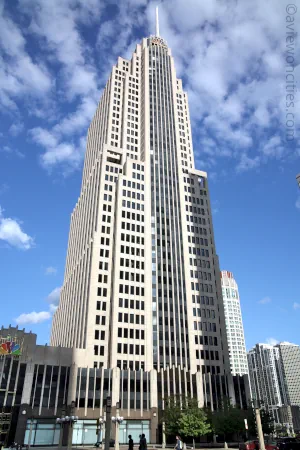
(258, 425)
(101, 423)
(65, 421)
(117, 420)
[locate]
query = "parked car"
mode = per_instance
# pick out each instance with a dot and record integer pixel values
(254, 445)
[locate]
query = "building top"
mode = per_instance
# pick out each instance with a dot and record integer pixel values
(288, 343)
(226, 274)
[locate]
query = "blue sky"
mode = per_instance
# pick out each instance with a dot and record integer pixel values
(54, 60)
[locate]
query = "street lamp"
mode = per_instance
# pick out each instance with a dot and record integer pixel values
(65, 421)
(101, 423)
(117, 420)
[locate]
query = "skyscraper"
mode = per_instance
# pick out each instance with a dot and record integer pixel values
(267, 378)
(290, 359)
(141, 284)
(141, 298)
(234, 324)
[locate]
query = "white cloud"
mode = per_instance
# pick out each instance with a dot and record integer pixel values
(19, 75)
(51, 270)
(42, 316)
(264, 301)
(16, 128)
(297, 204)
(33, 317)
(232, 71)
(296, 305)
(247, 163)
(9, 151)
(66, 154)
(53, 297)
(12, 233)
(272, 341)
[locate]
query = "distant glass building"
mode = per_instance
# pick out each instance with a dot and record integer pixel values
(234, 324)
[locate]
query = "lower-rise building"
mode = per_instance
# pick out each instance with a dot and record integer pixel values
(39, 384)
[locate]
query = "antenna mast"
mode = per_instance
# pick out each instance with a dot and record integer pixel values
(157, 22)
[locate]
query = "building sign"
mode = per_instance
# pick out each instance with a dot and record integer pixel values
(10, 348)
(156, 40)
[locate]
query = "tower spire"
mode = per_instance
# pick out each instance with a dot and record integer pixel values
(156, 22)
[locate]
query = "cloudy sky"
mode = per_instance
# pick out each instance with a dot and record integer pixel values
(55, 57)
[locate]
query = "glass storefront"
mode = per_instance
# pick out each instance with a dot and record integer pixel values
(42, 432)
(135, 428)
(85, 432)
(46, 432)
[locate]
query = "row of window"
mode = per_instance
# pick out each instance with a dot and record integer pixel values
(132, 304)
(205, 326)
(132, 238)
(199, 251)
(99, 350)
(206, 354)
(197, 200)
(131, 349)
(100, 320)
(133, 263)
(136, 365)
(201, 287)
(133, 205)
(206, 340)
(205, 313)
(204, 299)
(197, 240)
(131, 290)
(131, 333)
(132, 251)
(135, 277)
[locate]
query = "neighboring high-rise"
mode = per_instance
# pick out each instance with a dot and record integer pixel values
(290, 360)
(274, 373)
(234, 324)
(266, 378)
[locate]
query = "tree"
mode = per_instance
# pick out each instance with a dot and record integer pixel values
(171, 414)
(228, 420)
(267, 421)
(193, 423)
(182, 415)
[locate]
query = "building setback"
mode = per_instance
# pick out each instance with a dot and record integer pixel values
(141, 309)
(234, 324)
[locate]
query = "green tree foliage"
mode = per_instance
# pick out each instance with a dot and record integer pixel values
(183, 416)
(228, 420)
(267, 421)
(193, 423)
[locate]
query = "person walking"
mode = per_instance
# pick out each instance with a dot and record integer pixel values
(178, 445)
(130, 442)
(143, 442)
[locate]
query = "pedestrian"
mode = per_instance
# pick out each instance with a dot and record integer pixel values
(130, 442)
(140, 438)
(178, 445)
(143, 442)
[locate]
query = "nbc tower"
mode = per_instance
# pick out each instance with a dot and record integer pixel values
(142, 291)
